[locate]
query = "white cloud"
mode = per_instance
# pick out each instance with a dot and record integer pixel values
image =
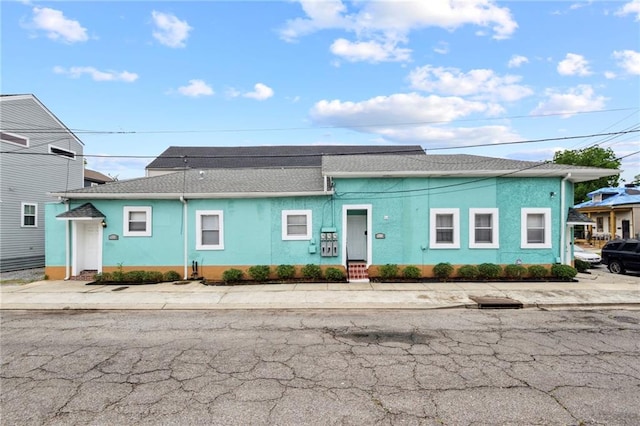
(195, 89)
(517, 60)
(97, 75)
(370, 51)
(628, 60)
(481, 83)
(442, 48)
(170, 31)
(574, 64)
(399, 17)
(610, 75)
(578, 99)
(383, 111)
(440, 137)
(57, 26)
(631, 8)
(260, 92)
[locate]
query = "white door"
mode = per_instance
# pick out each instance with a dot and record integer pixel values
(88, 246)
(357, 237)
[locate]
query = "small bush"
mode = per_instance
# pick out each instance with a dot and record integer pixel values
(118, 275)
(285, 272)
(469, 272)
(412, 273)
(46, 277)
(334, 274)
(232, 276)
(153, 277)
(564, 272)
(443, 270)
(171, 276)
(515, 272)
(103, 277)
(135, 276)
(311, 272)
(537, 271)
(489, 271)
(388, 271)
(581, 265)
(260, 272)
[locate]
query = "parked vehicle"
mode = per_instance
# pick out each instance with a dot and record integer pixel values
(621, 255)
(586, 256)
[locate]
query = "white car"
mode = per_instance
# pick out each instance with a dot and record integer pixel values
(586, 256)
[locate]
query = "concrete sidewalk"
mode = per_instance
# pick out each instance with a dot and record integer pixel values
(591, 290)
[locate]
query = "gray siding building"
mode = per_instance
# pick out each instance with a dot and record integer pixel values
(38, 155)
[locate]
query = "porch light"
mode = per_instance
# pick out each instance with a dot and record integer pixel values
(103, 223)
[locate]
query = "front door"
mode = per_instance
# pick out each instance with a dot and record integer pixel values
(625, 229)
(357, 237)
(87, 253)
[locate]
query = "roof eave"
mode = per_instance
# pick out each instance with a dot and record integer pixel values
(192, 196)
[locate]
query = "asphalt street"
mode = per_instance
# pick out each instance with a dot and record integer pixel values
(321, 367)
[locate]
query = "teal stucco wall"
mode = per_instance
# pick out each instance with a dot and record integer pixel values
(399, 211)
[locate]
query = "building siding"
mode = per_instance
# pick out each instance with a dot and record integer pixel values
(29, 176)
(400, 211)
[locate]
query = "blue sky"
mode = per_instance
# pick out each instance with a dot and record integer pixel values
(132, 78)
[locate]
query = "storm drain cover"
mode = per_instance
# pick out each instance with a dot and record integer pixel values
(120, 288)
(496, 303)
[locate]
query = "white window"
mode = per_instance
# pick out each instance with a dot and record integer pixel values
(29, 215)
(444, 229)
(296, 224)
(62, 152)
(536, 228)
(209, 230)
(137, 221)
(483, 228)
(14, 139)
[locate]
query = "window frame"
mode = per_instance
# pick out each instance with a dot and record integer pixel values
(433, 214)
(309, 223)
(199, 244)
(13, 135)
(524, 242)
(495, 232)
(69, 157)
(23, 216)
(125, 221)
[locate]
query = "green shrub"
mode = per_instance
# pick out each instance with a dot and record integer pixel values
(311, 272)
(285, 272)
(171, 276)
(489, 271)
(260, 272)
(232, 276)
(103, 277)
(334, 274)
(388, 271)
(135, 276)
(564, 272)
(581, 265)
(118, 274)
(443, 270)
(537, 271)
(469, 272)
(412, 273)
(153, 277)
(515, 271)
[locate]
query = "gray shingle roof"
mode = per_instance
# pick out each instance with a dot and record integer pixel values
(87, 210)
(210, 183)
(214, 157)
(451, 165)
(574, 217)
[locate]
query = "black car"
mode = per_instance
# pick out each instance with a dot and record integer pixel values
(620, 255)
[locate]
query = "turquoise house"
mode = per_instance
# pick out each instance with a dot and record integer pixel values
(349, 211)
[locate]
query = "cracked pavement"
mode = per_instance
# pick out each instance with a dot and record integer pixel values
(387, 367)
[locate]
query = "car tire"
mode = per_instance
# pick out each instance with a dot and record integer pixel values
(616, 267)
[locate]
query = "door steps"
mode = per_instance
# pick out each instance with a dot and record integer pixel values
(85, 275)
(358, 272)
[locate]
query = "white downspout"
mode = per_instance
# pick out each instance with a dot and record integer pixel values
(185, 221)
(67, 245)
(563, 221)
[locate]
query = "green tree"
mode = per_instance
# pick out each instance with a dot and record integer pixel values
(593, 156)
